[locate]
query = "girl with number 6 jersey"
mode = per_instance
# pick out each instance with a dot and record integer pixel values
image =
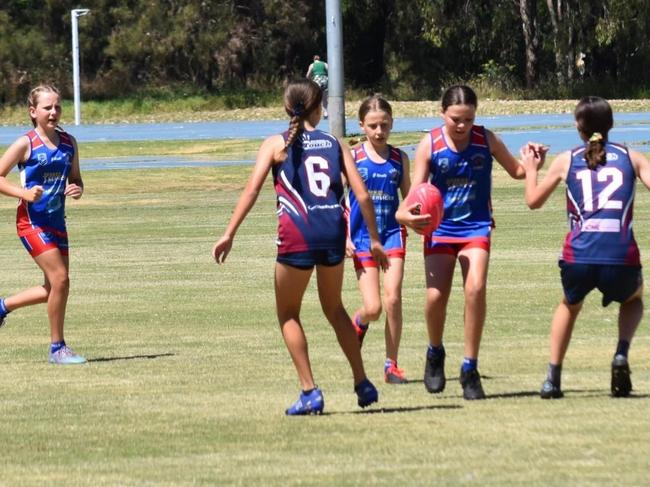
(307, 165)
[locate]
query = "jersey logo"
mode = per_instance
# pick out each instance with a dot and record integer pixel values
(394, 176)
(478, 161)
(363, 172)
(42, 159)
(611, 156)
(443, 164)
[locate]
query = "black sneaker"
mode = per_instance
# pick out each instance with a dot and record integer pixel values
(550, 391)
(621, 383)
(471, 382)
(434, 374)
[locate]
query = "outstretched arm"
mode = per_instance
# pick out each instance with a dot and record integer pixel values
(266, 156)
(537, 194)
(503, 156)
(641, 167)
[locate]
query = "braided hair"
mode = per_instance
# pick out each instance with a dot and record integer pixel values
(594, 119)
(301, 98)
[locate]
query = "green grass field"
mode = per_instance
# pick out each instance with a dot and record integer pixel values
(188, 376)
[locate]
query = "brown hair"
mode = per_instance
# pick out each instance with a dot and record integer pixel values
(301, 98)
(34, 95)
(594, 119)
(459, 95)
(374, 103)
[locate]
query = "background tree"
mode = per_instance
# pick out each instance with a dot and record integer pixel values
(407, 49)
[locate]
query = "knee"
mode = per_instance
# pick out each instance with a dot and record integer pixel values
(475, 291)
(335, 314)
(59, 282)
(373, 311)
(392, 300)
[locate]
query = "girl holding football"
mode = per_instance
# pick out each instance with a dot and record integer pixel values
(49, 166)
(457, 159)
(385, 172)
(600, 250)
(307, 166)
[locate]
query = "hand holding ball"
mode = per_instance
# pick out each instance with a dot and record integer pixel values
(429, 201)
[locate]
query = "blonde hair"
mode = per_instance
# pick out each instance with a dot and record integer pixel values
(34, 95)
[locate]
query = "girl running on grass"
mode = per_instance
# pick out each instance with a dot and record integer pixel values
(307, 166)
(48, 161)
(457, 159)
(600, 250)
(385, 172)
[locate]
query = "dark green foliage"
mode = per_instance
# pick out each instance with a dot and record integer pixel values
(405, 48)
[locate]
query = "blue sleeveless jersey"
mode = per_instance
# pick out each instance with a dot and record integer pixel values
(48, 168)
(309, 192)
(383, 180)
(464, 180)
(600, 204)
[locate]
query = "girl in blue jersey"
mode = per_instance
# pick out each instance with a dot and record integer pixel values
(385, 172)
(307, 166)
(600, 250)
(457, 159)
(48, 161)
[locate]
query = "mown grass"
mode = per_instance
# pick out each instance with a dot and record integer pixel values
(188, 376)
(197, 109)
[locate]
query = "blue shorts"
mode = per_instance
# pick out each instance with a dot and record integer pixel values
(616, 282)
(394, 246)
(310, 258)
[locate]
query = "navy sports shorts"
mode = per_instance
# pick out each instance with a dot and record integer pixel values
(311, 258)
(616, 282)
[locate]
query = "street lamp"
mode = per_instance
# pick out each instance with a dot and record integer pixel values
(78, 12)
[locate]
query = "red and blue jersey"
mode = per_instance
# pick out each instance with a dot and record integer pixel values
(48, 168)
(310, 194)
(383, 180)
(600, 204)
(464, 180)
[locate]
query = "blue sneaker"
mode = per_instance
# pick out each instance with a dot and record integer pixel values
(65, 356)
(312, 403)
(366, 393)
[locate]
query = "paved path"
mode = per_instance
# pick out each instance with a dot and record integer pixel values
(557, 131)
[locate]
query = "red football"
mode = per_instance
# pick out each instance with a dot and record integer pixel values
(430, 203)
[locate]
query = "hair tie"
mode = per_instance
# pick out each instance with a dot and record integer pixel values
(298, 110)
(596, 137)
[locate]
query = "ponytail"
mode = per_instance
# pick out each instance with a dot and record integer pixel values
(595, 153)
(301, 98)
(594, 119)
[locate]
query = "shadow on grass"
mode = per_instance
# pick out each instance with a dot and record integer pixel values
(602, 393)
(131, 357)
(399, 410)
(451, 379)
(568, 392)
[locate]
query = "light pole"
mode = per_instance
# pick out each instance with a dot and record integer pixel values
(78, 12)
(336, 99)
